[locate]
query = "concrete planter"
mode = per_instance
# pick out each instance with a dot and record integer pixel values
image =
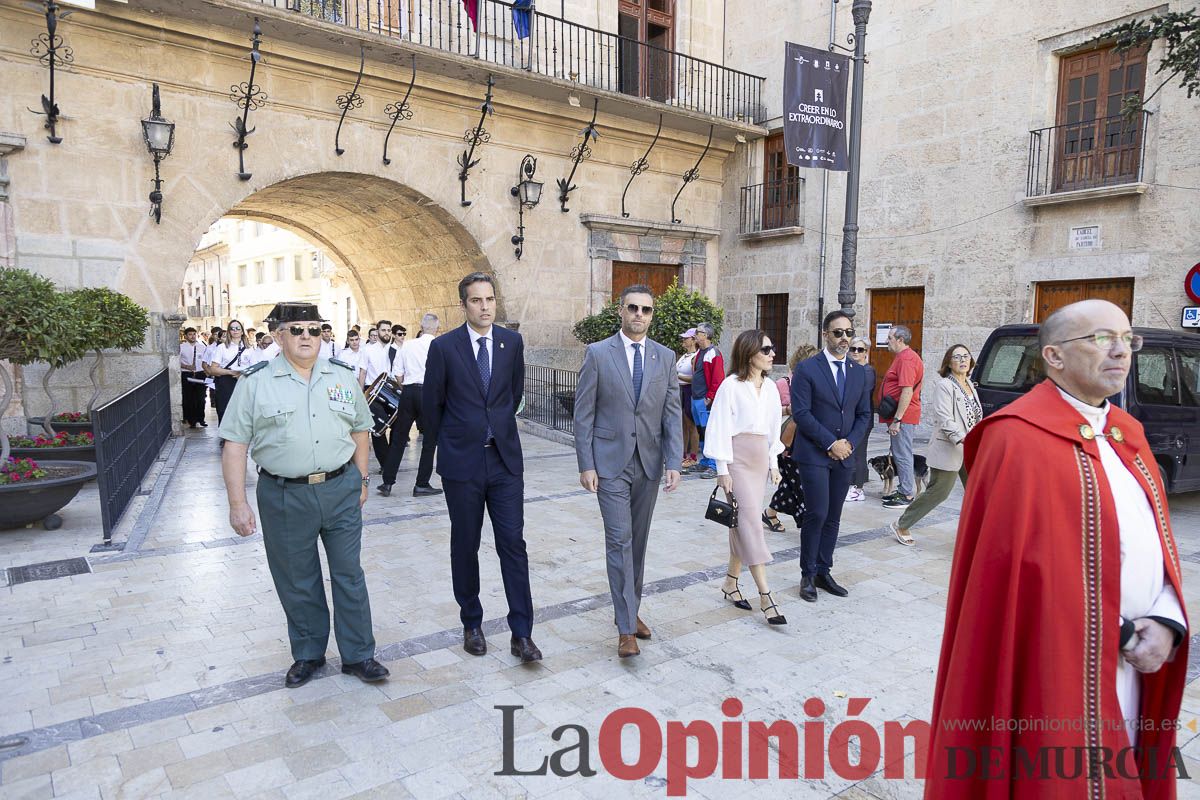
(35, 426)
(82, 452)
(36, 501)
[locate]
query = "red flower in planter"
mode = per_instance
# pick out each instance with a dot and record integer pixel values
(16, 470)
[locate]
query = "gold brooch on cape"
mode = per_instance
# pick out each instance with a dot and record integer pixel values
(1086, 432)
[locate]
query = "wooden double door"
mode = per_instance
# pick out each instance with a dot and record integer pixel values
(904, 306)
(1053, 295)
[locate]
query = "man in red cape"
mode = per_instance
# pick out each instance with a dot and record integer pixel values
(1064, 654)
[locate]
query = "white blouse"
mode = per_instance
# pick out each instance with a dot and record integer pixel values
(740, 408)
(224, 354)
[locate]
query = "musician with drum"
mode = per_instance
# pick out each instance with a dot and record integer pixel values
(378, 367)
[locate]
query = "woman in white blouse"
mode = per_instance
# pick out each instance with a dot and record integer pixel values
(743, 438)
(228, 361)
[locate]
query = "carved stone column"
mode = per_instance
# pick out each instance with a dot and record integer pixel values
(168, 348)
(9, 143)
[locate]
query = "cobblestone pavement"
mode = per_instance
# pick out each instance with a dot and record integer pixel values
(159, 673)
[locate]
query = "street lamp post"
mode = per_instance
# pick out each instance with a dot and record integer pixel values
(861, 11)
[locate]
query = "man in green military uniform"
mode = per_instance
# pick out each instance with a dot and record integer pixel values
(305, 422)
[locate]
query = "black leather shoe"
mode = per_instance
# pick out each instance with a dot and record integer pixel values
(385, 489)
(827, 583)
(808, 591)
(473, 641)
(203, 424)
(367, 671)
(302, 671)
(425, 491)
(524, 649)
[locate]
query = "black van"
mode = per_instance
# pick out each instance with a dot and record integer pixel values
(1162, 391)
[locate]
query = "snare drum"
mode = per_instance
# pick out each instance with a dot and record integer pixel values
(383, 398)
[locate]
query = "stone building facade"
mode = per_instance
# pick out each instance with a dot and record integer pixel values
(968, 219)
(400, 230)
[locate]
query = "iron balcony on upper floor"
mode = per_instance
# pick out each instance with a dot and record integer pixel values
(1086, 158)
(509, 35)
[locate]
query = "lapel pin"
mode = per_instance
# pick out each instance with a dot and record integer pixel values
(502, 345)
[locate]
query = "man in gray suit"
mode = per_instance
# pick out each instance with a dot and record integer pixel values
(627, 426)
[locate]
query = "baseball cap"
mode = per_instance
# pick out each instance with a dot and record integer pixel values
(688, 334)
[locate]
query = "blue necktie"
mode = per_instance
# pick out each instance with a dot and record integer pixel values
(485, 375)
(637, 373)
(841, 381)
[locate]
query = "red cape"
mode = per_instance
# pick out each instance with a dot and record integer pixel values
(1032, 616)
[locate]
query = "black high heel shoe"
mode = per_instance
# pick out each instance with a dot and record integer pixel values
(772, 522)
(741, 602)
(778, 619)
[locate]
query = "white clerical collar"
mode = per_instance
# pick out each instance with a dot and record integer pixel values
(1096, 417)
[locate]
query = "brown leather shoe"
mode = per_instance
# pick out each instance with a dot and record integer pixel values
(643, 630)
(627, 645)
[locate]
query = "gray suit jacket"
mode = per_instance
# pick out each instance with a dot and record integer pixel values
(945, 451)
(608, 426)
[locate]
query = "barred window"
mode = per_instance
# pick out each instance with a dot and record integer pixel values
(772, 319)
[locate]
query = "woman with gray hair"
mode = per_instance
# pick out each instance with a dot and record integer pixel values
(860, 349)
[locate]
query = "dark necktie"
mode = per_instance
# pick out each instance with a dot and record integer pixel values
(637, 373)
(485, 375)
(391, 357)
(841, 381)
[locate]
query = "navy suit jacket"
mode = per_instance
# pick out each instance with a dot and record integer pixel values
(821, 419)
(456, 411)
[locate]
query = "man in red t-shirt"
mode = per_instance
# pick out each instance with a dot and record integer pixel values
(903, 384)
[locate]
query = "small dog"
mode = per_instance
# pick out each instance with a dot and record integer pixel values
(886, 470)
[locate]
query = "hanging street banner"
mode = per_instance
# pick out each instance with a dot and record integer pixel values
(814, 107)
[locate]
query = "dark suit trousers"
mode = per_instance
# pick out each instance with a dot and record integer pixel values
(503, 494)
(410, 412)
(825, 491)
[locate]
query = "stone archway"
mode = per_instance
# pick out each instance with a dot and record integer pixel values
(404, 253)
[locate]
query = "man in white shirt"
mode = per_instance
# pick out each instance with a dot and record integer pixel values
(378, 359)
(214, 341)
(191, 360)
(328, 348)
(412, 369)
(627, 426)
(352, 353)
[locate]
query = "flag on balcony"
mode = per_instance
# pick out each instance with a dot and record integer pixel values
(521, 15)
(472, 7)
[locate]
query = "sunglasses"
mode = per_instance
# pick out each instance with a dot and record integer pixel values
(841, 333)
(858, 349)
(397, 333)
(634, 308)
(298, 330)
(767, 351)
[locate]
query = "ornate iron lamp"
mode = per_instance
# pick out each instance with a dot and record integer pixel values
(159, 135)
(528, 193)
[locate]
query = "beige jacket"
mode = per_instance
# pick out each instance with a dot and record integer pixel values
(949, 426)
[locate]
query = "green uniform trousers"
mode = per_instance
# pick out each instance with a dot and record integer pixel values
(941, 481)
(294, 515)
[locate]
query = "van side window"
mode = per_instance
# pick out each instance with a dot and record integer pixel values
(1156, 381)
(1013, 363)
(1189, 376)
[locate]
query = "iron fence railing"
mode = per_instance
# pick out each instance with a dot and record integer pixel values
(772, 205)
(130, 431)
(549, 45)
(1107, 151)
(550, 397)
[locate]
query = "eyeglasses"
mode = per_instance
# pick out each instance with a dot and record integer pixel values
(961, 357)
(298, 330)
(633, 308)
(767, 351)
(858, 349)
(1106, 339)
(841, 333)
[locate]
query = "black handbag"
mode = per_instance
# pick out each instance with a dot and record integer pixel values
(722, 512)
(887, 408)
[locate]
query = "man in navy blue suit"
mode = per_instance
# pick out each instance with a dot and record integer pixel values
(474, 379)
(831, 404)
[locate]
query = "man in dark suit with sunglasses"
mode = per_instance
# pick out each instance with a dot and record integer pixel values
(831, 405)
(474, 380)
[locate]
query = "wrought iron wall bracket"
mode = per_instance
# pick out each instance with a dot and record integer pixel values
(691, 175)
(475, 137)
(352, 100)
(49, 49)
(581, 153)
(399, 111)
(640, 166)
(247, 96)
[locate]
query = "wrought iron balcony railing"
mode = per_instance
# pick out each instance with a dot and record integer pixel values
(772, 205)
(1108, 151)
(551, 46)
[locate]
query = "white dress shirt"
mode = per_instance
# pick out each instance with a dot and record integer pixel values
(740, 408)
(207, 356)
(491, 345)
(413, 358)
(327, 349)
(191, 356)
(628, 344)
(1145, 590)
(351, 357)
(833, 361)
(226, 353)
(374, 360)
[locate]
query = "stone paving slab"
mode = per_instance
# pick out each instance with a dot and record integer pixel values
(160, 673)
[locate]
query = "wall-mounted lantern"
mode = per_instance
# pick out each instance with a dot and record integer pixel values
(159, 135)
(528, 193)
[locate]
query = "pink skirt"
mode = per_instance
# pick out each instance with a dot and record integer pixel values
(749, 473)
